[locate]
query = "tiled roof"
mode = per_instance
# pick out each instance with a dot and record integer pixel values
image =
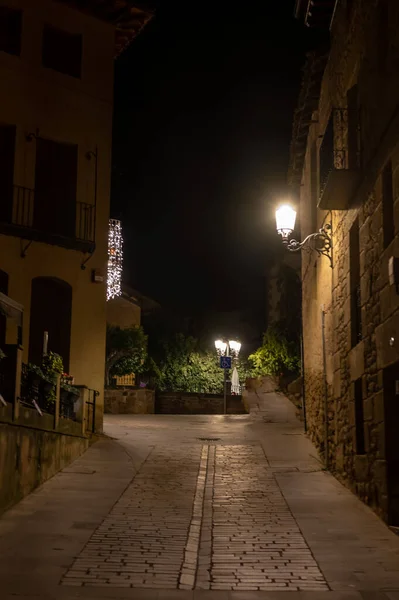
(128, 16)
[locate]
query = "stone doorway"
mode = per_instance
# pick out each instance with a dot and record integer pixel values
(391, 404)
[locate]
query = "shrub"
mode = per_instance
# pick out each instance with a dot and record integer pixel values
(276, 356)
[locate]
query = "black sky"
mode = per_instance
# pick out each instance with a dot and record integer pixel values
(203, 110)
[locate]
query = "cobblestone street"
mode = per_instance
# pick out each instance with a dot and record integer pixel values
(198, 507)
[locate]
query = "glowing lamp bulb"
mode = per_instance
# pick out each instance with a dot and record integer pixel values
(220, 346)
(235, 346)
(285, 220)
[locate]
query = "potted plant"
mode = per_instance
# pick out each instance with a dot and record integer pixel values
(52, 366)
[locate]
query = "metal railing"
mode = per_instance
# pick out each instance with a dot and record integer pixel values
(340, 148)
(67, 406)
(85, 221)
(23, 215)
(37, 393)
(91, 410)
(126, 380)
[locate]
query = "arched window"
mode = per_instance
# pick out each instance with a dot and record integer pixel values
(51, 309)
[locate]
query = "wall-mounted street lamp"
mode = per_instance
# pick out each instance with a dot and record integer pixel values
(320, 241)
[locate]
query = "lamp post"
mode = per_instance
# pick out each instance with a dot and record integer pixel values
(321, 241)
(226, 348)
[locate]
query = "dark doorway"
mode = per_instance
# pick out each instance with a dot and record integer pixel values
(55, 188)
(3, 320)
(391, 409)
(51, 308)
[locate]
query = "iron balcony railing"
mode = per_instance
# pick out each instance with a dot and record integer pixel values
(22, 215)
(340, 148)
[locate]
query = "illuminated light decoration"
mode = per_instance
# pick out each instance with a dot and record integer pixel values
(115, 259)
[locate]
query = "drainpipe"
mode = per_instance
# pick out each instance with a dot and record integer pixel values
(323, 335)
(305, 424)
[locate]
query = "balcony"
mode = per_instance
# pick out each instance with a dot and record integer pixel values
(339, 161)
(31, 216)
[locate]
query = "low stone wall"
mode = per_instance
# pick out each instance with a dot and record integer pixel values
(180, 403)
(30, 455)
(129, 401)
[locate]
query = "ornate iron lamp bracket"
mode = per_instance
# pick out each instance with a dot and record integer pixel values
(320, 241)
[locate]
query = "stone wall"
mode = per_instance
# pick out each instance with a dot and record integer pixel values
(364, 52)
(175, 403)
(31, 455)
(129, 401)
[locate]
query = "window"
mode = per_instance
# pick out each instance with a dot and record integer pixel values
(55, 188)
(7, 151)
(349, 9)
(62, 51)
(387, 204)
(383, 33)
(10, 30)
(354, 258)
(3, 320)
(359, 418)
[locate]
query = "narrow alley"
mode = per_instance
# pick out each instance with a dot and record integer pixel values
(206, 507)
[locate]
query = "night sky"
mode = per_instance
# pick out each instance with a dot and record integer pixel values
(204, 100)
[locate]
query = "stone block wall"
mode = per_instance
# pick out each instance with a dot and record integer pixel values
(180, 403)
(29, 456)
(364, 52)
(129, 401)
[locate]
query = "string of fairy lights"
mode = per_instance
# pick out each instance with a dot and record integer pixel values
(115, 259)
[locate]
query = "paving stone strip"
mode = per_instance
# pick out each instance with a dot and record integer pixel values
(189, 569)
(256, 543)
(208, 517)
(141, 543)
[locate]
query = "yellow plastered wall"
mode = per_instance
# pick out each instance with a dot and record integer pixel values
(71, 110)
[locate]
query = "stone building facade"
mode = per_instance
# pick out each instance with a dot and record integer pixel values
(345, 170)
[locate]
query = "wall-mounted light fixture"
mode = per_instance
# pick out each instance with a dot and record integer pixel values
(320, 241)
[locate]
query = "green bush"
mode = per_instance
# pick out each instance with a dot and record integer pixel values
(182, 365)
(276, 356)
(126, 351)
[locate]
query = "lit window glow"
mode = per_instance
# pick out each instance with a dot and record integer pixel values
(115, 259)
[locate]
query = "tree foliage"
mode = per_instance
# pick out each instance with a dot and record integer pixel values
(126, 351)
(183, 365)
(276, 356)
